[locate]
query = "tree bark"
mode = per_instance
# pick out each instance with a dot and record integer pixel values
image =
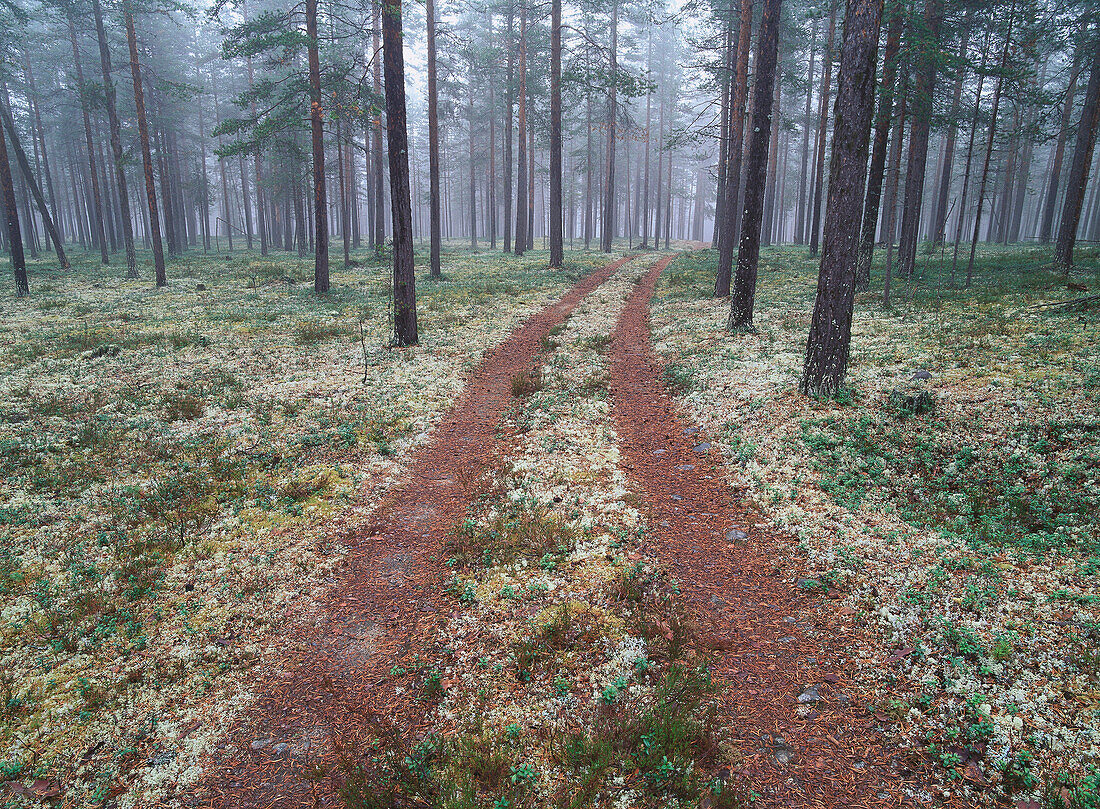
(830, 336)
(557, 247)
(146, 156)
(822, 130)
(735, 147)
(1047, 226)
(878, 152)
(918, 137)
(317, 130)
(32, 182)
(404, 279)
(521, 134)
(435, 235)
(607, 226)
(744, 286)
(1079, 167)
(803, 202)
(379, 170)
(97, 201)
(11, 217)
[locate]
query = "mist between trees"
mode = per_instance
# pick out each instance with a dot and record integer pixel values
(867, 131)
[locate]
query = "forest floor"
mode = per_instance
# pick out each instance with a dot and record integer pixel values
(231, 568)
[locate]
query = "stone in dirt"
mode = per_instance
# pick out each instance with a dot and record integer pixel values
(809, 696)
(260, 744)
(736, 534)
(703, 448)
(920, 373)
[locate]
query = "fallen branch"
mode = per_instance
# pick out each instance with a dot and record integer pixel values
(1070, 302)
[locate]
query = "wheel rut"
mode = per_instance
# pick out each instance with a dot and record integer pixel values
(770, 643)
(329, 692)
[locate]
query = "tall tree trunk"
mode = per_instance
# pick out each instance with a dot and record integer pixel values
(473, 177)
(803, 202)
(831, 326)
(990, 144)
(644, 207)
(1079, 168)
(939, 222)
(317, 130)
(822, 130)
(521, 133)
(342, 180)
(607, 227)
(735, 140)
(116, 143)
(404, 280)
(744, 285)
(32, 97)
(773, 158)
(509, 101)
(557, 248)
(725, 86)
(146, 156)
(878, 151)
(32, 183)
(492, 153)
(660, 172)
(1047, 226)
(918, 136)
(435, 235)
(379, 170)
(969, 157)
(97, 202)
(11, 216)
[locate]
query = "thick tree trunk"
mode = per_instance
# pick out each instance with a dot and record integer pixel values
(735, 140)
(557, 248)
(744, 285)
(918, 137)
(404, 279)
(1079, 167)
(317, 130)
(822, 130)
(831, 327)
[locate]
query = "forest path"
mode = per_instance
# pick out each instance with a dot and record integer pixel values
(385, 606)
(770, 643)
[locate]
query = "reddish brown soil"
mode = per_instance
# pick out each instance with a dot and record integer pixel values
(382, 610)
(768, 639)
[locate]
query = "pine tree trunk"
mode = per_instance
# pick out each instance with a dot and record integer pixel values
(97, 202)
(990, 144)
(1079, 167)
(32, 183)
(939, 222)
(607, 227)
(803, 203)
(735, 140)
(726, 87)
(146, 156)
(1047, 226)
(521, 136)
(822, 130)
(773, 157)
(317, 130)
(379, 170)
(878, 152)
(32, 97)
(557, 247)
(404, 280)
(11, 216)
(435, 235)
(510, 92)
(918, 138)
(473, 178)
(744, 285)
